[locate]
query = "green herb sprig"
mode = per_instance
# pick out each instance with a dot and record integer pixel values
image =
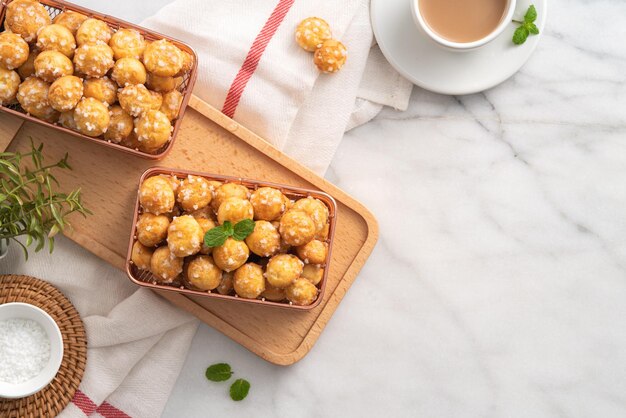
(221, 372)
(29, 204)
(217, 236)
(527, 26)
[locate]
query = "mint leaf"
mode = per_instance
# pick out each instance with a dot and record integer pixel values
(532, 28)
(531, 14)
(239, 389)
(218, 372)
(243, 229)
(215, 237)
(228, 228)
(519, 37)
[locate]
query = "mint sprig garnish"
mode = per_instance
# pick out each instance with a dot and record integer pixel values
(527, 26)
(217, 236)
(218, 372)
(239, 389)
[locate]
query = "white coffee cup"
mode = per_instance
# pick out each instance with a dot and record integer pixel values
(462, 46)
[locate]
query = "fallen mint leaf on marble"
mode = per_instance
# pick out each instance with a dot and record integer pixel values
(239, 389)
(218, 372)
(527, 26)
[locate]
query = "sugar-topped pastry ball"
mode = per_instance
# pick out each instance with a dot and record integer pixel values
(226, 284)
(272, 293)
(13, 50)
(120, 124)
(65, 93)
(141, 255)
(248, 281)
(28, 68)
(102, 89)
(128, 71)
(264, 241)
(130, 141)
(161, 84)
(323, 234)
(268, 203)
(153, 130)
(331, 56)
(312, 32)
(165, 266)
(50, 65)
(26, 17)
(231, 255)
(206, 225)
(187, 63)
(228, 190)
(302, 292)
(137, 99)
(9, 83)
(201, 273)
(297, 227)
(93, 31)
(171, 104)
(66, 119)
(194, 193)
(203, 213)
(152, 229)
(127, 43)
(184, 236)
(316, 209)
(312, 273)
(56, 38)
(156, 195)
(313, 252)
(91, 117)
(93, 60)
(283, 269)
(32, 95)
(234, 210)
(71, 20)
(174, 181)
(163, 58)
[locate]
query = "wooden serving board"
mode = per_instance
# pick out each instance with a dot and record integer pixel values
(211, 142)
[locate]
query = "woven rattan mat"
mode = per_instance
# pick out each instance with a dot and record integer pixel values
(52, 399)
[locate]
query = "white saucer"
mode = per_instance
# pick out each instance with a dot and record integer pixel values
(428, 65)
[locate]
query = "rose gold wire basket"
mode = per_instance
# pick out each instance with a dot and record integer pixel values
(146, 279)
(54, 8)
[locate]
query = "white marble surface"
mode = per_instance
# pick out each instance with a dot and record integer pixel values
(498, 286)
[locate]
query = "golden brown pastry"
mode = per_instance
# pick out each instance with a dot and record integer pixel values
(153, 130)
(184, 236)
(228, 190)
(231, 255)
(234, 210)
(273, 293)
(93, 60)
(32, 95)
(194, 193)
(91, 117)
(165, 266)
(171, 104)
(312, 32)
(206, 225)
(163, 58)
(141, 255)
(302, 292)
(201, 273)
(127, 71)
(93, 31)
(282, 270)
(65, 93)
(127, 43)
(71, 20)
(296, 227)
(28, 68)
(313, 252)
(50, 65)
(120, 125)
(268, 203)
(312, 273)
(264, 241)
(102, 89)
(248, 281)
(156, 195)
(316, 209)
(161, 84)
(66, 119)
(9, 83)
(26, 17)
(56, 38)
(152, 229)
(13, 50)
(226, 283)
(137, 100)
(331, 56)
(187, 63)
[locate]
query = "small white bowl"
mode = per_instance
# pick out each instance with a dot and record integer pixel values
(16, 310)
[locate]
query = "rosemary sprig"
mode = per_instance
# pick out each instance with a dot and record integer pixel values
(29, 204)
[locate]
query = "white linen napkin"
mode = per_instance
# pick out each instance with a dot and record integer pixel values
(286, 100)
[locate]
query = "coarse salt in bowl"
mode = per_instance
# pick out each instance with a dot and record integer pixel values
(31, 349)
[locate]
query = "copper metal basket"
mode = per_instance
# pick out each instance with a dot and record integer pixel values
(55, 7)
(146, 279)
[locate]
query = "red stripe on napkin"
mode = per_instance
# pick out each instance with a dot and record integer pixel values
(88, 407)
(109, 411)
(254, 56)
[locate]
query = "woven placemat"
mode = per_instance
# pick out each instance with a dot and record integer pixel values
(52, 399)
